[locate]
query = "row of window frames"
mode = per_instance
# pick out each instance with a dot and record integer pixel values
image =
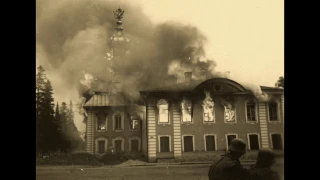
(118, 123)
(118, 146)
(210, 142)
(250, 109)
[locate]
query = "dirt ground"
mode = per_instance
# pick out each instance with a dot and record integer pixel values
(171, 172)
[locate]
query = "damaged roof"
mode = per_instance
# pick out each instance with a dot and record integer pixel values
(108, 99)
(176, 87)
(194, 83)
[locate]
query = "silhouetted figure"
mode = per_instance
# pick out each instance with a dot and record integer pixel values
(228, 167)
(262, 169)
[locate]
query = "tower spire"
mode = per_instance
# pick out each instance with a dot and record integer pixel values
(118, 42)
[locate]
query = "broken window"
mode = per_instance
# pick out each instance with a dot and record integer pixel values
(188, 143)
(273, 111)
(135, 145)
(254, 142)
(118, 122)
(164, 144)
(118, 146)
(276, 141)
(102, 122)
(251, 111)
(208, 108)
(101, 147)
(210, 143)
(163, 111)
(186, 108)
(230, 138)
(229, 111)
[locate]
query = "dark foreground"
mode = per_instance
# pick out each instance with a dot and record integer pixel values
(172, 172)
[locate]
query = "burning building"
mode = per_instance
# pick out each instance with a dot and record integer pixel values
(198, 118)
(190, 119)
(113, 118)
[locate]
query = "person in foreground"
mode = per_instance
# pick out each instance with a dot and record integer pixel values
(262, 169)
(228, 167)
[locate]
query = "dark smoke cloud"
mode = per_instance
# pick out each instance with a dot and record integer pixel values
(73, 36)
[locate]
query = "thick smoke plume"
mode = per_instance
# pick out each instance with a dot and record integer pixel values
(74, 36)
(72, 43)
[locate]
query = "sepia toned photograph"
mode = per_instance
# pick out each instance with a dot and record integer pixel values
(159, 90)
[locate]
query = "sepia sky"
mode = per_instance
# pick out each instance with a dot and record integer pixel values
(245, 37)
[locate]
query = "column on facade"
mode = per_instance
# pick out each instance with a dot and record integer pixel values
(263, 125)
(176, 131)
(282, 109)
(90, 133)
(151, 131)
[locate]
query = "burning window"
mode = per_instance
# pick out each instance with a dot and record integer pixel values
(251, 111)
(210, 143)
(164, 144)
(163, 111)
(188, 143)
(186, 108)
(102, 122)
(101, 147)
(208, 108)
(276, 141)
(118, 122)
(273, 111)
(254, 142)
(229, 111)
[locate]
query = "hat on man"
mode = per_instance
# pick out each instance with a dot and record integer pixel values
(237, 145)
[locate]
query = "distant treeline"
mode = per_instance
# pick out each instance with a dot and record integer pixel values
(55, 129)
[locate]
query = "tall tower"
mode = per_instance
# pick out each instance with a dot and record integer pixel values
(119, 45)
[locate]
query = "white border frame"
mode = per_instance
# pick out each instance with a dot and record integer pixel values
(278, 111)
(139, 143)
(271, 142)
(117, 112)
(158, 113)
(193, 142)
(114, 143)
(101, 138)
(249, 143)
(256, 111)
(205, 142)
(159, 148)
(226, 137)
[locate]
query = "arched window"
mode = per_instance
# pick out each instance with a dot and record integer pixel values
(208, 109)
(251, 110)
(101, 145)
(273, 111)
(163, 107)
(229, 111)
(102, 121)
(186, 109)
(118, 120)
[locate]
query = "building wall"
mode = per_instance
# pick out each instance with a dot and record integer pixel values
(176, 129)
(110, 134)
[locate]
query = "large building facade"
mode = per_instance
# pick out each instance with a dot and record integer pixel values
(194, 119)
